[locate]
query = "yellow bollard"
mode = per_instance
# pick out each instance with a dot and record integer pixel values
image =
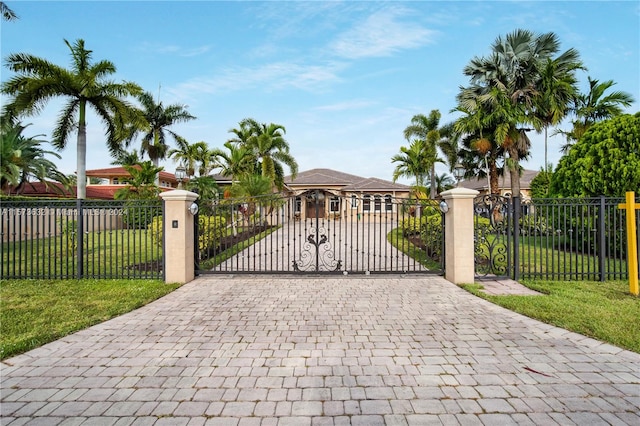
(632, 244)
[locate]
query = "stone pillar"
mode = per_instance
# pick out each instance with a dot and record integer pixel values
(179, 247)
(459, 233)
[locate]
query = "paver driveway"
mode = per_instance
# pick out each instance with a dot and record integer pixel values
(369, 350)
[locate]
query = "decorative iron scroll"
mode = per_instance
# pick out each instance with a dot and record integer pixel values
(491, 242)
(317, 255)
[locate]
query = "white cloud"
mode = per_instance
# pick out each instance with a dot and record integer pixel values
(175, 49)
(268, 77)
(382, 34)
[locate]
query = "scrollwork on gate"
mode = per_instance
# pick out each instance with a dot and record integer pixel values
(491, 243)
(317, 253)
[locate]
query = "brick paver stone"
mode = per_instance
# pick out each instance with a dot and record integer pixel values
(330, 350)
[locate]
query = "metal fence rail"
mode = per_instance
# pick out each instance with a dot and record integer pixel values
(317, 233)
(64, 239)
(553, 239)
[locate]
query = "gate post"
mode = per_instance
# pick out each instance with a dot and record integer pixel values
(178, 233)
(459, 235)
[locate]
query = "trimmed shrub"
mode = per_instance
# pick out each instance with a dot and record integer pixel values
(210, 230)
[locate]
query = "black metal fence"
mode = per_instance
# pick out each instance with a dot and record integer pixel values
(319, 232)
(553, 239)
(63, 239)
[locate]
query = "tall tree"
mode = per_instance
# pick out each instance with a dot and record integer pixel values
(7, 13)
(426, 128)
(509, 84)
(557, 89)
(154, 123)
(269, 147)
(595, 106)
(85, 85)
(23, 159)
(189, 155)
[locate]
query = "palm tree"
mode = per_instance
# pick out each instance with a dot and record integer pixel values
(126, 158)
(141, 182)
(412, 162)
(7, 14)
(24, 159)
(595, 106)
(84, 85)
(508, 81)
(154, 122)
(189, 155)
(269, 147)
(426, 128)
(557, 89)
(235, 162)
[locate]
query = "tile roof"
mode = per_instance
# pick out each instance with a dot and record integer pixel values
(504, 182)
(121, 171)
(329, 177)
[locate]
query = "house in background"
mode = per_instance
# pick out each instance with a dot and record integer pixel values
(504, 184)
(330, 193)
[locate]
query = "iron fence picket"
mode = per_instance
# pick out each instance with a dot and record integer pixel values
(62, 239)
(554, 239)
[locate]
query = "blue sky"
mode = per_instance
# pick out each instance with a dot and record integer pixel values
(344, 78)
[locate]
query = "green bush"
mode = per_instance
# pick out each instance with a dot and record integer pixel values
(210, 230)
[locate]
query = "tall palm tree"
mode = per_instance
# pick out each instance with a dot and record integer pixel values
(23, 159)
(7, 13)
(557, 89)
(426, 128)
(508, 79)
(85, 85)
(595, 106)
(154, 122)
(269, 147)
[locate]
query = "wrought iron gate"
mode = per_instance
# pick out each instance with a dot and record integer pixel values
(318, 231)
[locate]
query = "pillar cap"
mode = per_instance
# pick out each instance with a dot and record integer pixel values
(459, 193)
(179, 195)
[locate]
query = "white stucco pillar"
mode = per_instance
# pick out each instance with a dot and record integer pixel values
(179, 247)
(459, 233)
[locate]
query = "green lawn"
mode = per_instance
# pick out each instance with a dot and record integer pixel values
(35, 312)
(106, 253)
(603, 310)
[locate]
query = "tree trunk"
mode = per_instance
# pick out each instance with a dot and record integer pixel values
(493, 177)
(514, 172)
(433, 193)
(81, 154)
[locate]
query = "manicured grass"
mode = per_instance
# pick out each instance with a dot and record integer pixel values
(235, 249)
(35, 312)
(106, 253)
(398, 240)
(603, 310)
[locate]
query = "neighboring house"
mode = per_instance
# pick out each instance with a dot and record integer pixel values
(332, 194)
(504, 184)
(111, 180)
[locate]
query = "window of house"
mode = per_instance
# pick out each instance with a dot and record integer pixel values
(388, 204)
(377, 203)
(354, 201)
(116, 181)
(334, 204)
(366, 203)
(297, 208)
